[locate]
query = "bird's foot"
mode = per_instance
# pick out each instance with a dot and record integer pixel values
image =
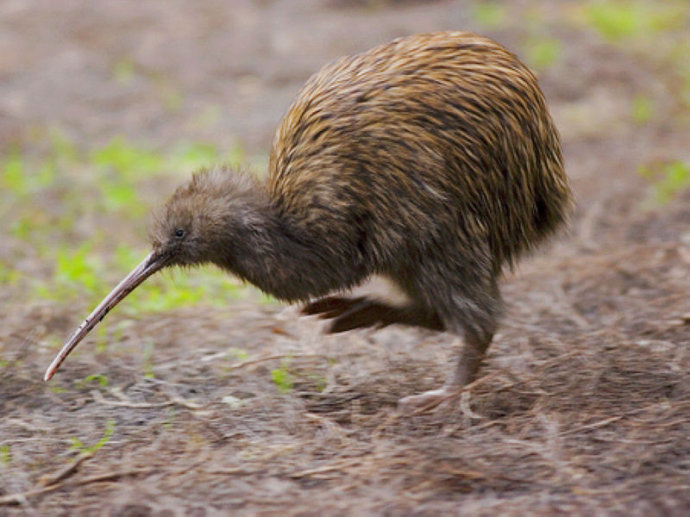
(427, 400)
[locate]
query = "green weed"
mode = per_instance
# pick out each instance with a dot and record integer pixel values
(78, 445)
(57, 389)
(147, 356)
(319, 381)
(99, 378)
(123, 72)
(192, 156)
(238, 353)
(642, 109)
(105, 180)
(5, 455)
(121, 196)
(196, 155)
(617, 20)
(21, 228)
(62, 149)
(8, 276)
(14, 178)
(489, 15)
(542, 51)
(22, 176)
(208, 116)
(668, 180)
(128, 160)
(282, 378)
(78, 271)
(172, 99)
(169, 418)
(267, 299)
(101, 337)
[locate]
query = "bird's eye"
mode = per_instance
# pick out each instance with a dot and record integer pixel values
(179, 233)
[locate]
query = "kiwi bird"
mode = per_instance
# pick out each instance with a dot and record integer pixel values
(431, 161)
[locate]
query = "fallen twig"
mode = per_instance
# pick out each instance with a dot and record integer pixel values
(22, 497)
(125, 402)
(66, 471)
(595, 425)
(327, 468)
(258, 360)
(231, 472)
(110, 476)
(243, 364)
(135, 405)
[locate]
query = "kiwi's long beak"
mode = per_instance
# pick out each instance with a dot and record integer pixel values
(152, 263)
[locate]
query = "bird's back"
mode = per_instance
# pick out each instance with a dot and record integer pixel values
(428, 142)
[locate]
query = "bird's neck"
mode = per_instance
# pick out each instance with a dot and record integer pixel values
(271, 251)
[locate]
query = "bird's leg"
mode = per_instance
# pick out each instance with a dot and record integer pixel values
(470, 310)
(465, 372)
(470, 360)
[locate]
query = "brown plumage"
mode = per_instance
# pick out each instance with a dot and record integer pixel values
(431, 160)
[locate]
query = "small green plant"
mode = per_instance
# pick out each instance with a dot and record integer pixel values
(668, 180)
(79, 267)
(22, 226)
(195, 155)
(319, 381)
(127, 159)
(282, 378)
(542, 51)
(147, 356)
(8, 276)
(186, 288)
(120, 196)
(62, 149)
(78, 445)
(172, 99)
(489, 15)
(123, 72)
(238, 353)
(14, 177)
(101, 379)
(58, 389)
(101, 333)
(5, 455)
(617, 20)
(77, 272)
(169, 418)
(106, 180)
(642, 109)
(87, 381)
(267, 299)
(208, 116)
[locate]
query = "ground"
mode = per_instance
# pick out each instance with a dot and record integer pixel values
(202, 397)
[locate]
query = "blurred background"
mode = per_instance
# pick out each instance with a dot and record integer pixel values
(106, 106)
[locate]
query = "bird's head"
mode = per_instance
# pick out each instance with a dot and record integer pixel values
(205, 217)
(199, 224)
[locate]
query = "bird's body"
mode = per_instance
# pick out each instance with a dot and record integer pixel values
(431, 160)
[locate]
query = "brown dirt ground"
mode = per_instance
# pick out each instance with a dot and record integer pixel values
(584, 407)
